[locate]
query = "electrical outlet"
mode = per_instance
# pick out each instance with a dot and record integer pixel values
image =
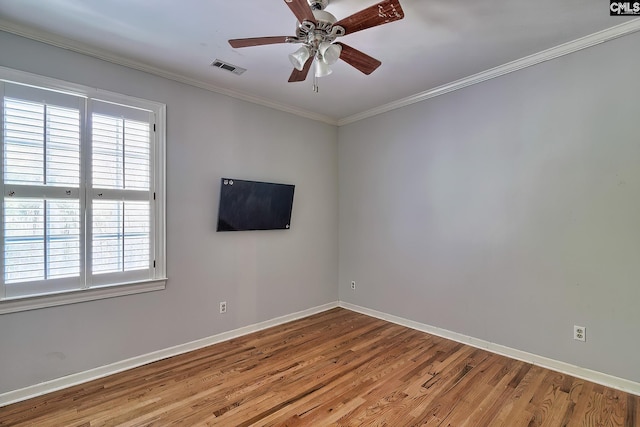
(353, 285)
(579, 333)
(223, 307)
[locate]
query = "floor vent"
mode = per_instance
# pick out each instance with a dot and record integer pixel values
(229, 67)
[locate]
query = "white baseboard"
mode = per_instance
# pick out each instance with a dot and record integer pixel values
(545, 362)
(103, 371)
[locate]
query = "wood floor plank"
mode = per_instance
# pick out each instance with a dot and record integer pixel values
(513, 412)
(335, 368)
(487, 410)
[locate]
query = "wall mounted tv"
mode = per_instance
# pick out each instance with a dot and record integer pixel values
(253, 205)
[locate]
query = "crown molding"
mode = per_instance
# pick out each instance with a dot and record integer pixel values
(72, 45)
(608, 34)
(528, 61)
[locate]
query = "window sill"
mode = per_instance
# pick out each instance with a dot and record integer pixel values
(73, 297)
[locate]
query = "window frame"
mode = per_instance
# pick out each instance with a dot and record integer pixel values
(94, 291)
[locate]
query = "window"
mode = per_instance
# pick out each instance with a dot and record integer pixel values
(83, 193)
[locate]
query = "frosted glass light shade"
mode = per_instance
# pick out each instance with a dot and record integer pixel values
(322, 69)
(330, 52)
(299, 57)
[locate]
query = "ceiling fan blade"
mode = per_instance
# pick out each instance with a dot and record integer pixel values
(300, 76)
(257, 41)
(358, 60)
(382, 13)
(301, 10)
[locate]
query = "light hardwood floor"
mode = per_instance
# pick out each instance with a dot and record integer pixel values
(333, 368)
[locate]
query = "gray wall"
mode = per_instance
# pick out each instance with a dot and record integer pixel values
(507, 211)
(262, 275)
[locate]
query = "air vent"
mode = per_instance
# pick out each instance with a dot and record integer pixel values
(229, 67)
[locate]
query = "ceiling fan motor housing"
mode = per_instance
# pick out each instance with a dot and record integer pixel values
(323, 30)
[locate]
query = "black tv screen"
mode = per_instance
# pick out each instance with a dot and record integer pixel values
(253, 205)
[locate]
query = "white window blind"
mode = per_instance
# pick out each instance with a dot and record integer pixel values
(122, 200)
(121, 233)
(42, 239)
(121, 153)
(82, 180)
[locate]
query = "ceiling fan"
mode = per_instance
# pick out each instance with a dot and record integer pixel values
(317, 31)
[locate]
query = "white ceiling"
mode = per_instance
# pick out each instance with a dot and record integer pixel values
(438, 42)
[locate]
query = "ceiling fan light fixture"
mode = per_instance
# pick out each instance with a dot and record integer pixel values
(299, 57)
(330, 52)
(316, 27)
(322, 68)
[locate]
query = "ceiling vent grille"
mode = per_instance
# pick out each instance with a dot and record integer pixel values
(229, 67)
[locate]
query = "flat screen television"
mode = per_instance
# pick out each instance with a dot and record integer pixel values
(254, 205)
